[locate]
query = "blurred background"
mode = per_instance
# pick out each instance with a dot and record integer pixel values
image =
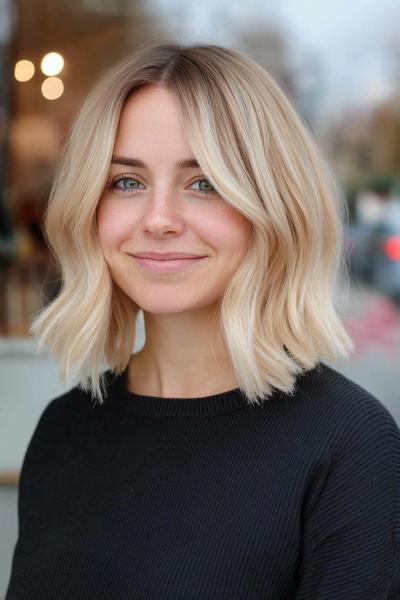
(339, 62)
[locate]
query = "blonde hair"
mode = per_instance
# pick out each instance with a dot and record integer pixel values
(277, 313)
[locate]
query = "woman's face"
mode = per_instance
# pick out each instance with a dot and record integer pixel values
(157, 205)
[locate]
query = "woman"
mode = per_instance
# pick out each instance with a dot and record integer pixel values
(223, 459)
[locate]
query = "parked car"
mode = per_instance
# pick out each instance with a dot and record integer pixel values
(358, 247)
(373, 256)
(385, 259)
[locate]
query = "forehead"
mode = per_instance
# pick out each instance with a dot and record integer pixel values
(151, 120)
(151, 104)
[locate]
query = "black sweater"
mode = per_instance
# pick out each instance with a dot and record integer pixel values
(209, 498)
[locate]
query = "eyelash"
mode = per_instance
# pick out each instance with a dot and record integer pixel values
(113, 183)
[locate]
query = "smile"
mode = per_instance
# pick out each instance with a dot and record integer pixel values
(167, 266)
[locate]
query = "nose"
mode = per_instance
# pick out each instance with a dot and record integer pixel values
(163, 214)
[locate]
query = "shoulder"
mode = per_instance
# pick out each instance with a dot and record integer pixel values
(355, 429)
(65, 415)
(59, 409)
(337, 421)
(69, 425)
(77, 399)
(359, 441)
(340, 402)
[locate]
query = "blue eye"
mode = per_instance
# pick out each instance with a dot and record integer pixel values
(129, 183)
(205, 191)
(124, 188)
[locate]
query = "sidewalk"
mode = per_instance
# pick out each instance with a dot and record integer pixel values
(373, 322)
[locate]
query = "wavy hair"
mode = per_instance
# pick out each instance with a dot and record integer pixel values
(277, 313)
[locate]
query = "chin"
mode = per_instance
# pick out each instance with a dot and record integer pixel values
(161, 306)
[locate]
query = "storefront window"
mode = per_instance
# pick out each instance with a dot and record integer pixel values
(51, 53)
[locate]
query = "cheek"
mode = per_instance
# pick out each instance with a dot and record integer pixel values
(231, 231)
(113, 227)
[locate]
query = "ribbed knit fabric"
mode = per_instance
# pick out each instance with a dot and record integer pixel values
(149, 498)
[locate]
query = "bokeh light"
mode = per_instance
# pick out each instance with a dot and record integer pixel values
(52, 64)
(24, 70)
(52, 88)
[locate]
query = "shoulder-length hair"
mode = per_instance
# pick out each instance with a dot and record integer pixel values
(277, 313)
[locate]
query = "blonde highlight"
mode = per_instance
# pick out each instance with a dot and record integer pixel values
(277, 314)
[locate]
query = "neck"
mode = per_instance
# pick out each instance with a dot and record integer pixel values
(184, 356)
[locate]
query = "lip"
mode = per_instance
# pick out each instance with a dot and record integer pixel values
(167, 265)
(165, 255)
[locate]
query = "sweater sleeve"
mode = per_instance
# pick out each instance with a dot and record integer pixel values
(41, 458)
(41, 464)
(351, 521)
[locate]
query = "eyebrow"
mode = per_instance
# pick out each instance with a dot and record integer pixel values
(187, 163)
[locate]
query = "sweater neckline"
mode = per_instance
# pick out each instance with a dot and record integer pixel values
(158, 407)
